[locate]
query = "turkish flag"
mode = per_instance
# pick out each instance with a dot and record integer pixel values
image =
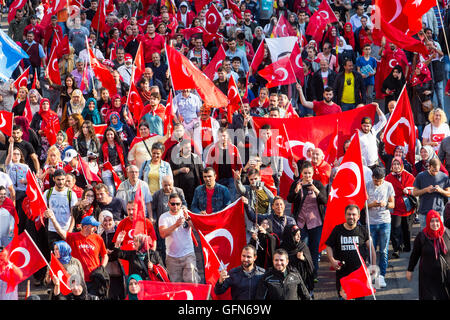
(135, 103)
(290, 112)
(319, 20)
(211, 69)
(297, 63)
(187, 76)
(60, 272)
(234, 99)
(88, 174)
(22, 80)
(384, 68)
(258, 57)
(169, 115)
(400, 39)
(358, 283)
(139, 212)
(33, 86)
(283, 28)
(16, 5)
(278, 73)
(65, 45)
(305, 133)
(347, 187)
(332, 146)
(400, 129)
(100, 130)
(99, 20)
(102, 73)
(24, 259)
(233, 7)
(225, 232)
(159, 290)
(189, 32)
(213, 19)
(6, 122)
(108, 167)
(56, 46)
(212, 267)
(52, 70)
(51, 129)
(37, 202)
(84, 76)
(139, 64)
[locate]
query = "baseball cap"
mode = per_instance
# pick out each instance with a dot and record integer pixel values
(90, 221)
(69, 155)
(54, 17)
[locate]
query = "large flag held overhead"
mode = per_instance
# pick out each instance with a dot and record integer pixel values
(185, 75)
(16, 5)
(10, 56)
(213, 19)
(305, 133)
(99, 20)
(400, 129)
(347, 187)
(159, 290)
(280, 47)
(225, 232)
(319, 20)
(102, 73)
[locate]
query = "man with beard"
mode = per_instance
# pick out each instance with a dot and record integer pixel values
(340, 248)
(326, 106)
(242, 280)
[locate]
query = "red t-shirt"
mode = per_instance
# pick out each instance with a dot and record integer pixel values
(321, 108)
(207, 136)
(152, 45)
(209, 194)
(127, 225)
(88, 250)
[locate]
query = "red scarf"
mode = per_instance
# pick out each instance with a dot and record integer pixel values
(119, 153)
(435, 235)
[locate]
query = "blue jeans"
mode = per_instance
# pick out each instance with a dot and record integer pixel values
(229, 184)
(311, 237)
(305, 111)
(439, 96)
(380, 234)
(108, 180)
(347, 106)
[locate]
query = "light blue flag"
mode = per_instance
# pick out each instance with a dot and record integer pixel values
(10, 56)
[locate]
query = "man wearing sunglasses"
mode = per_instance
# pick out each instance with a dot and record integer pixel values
(175, 227)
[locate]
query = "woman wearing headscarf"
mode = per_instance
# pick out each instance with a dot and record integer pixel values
(393, 85)
(34, 98)
(265, 242)
(399, 152)
(349, 36)
(121, 109)
(299, 254)
(46, 122)
(133, 287)
(331, 36)
(401, 217)
(259, 36)
(431, 248)
(74, 105)
(143, 261)
(345, 52)
(126, 134)
(421, 85)
(90, 112)
(426, 154)
(61, 141)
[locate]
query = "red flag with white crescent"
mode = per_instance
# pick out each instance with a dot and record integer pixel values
(102, 73)
(99, 19)
(169, 115)
(52, 70)
(225, 232)
(61, 273)
(139, 224)
(135, 103)
(233, 7)
(278, 73)
(16, 5)
(139, 64)
(319, 20)
(333, 146)
(159, 290)
(400, 129)
(297, 63)
(34, 194)
(234, 98)
(290, 111)
(22, 80)
(23, 260)
(100, 130)
(213, 19)
(258, 57)
(108, 167)
(347, 187)
(6, 122)
(215, 63)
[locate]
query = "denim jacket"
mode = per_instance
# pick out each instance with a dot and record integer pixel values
(164, 170)
(220, 199)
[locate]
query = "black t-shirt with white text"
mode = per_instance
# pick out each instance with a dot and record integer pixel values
(341, 241)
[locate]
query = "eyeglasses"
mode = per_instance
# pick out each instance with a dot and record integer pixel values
(175, 203)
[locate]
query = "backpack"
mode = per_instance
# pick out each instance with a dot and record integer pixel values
(69, 197)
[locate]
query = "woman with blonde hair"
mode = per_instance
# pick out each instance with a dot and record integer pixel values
(436, 130)
(52, 163)
(18, 107)
(74, 105)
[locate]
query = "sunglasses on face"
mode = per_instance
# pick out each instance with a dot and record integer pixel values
(175, 203)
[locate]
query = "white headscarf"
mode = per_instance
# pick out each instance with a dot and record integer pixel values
(345, 46)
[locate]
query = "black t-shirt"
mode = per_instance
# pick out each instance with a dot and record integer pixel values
(341, 241)
(117, 208)
(27, 150)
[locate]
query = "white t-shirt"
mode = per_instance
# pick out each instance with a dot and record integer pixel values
(5, 180)
(438, 133)
(6, 226)
(179, 243)
(59, 204)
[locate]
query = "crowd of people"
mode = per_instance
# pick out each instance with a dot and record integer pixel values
(198, 166)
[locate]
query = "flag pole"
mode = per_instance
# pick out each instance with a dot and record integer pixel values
(443, 27)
